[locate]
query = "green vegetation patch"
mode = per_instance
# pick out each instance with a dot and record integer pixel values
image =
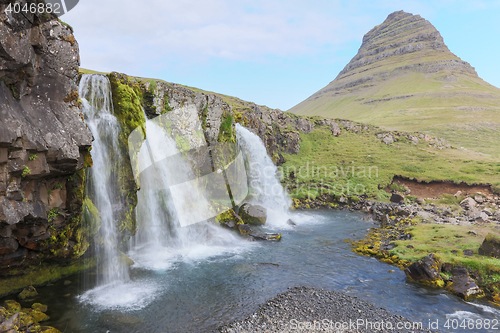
(359, 163)
(448, 242)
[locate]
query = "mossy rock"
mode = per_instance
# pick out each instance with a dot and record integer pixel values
(229, 215)
(49, 330)
(244, 229)
(253, 214)
(39, 307)
(491, 246)
(12, 306)
(28, 292)
(426, 271)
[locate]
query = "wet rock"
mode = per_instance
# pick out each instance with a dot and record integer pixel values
(229, 224)
(10, 324)
(253, 214)
(463, 285)
(12, 306)
(426, 271)
(265, 237)
(468, 203)
(490, 246)
(8, 245)
(244, 229)
(397, 198)
(386, 221)
(39, 307)
(290, 222)
(27, 293)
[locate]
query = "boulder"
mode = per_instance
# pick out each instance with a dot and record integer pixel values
(468, 203)
(386, 221)
(397, 198)
(28, 292)
(11, 324)
(479, 199)
(426, 271)
(253, 214)
(496, 214)
(229, 224)
(290, 222)
(265, 237)
(335, 129)
(388, 140)
(478, 216)
(491, 246)
(463, 285)
(244, 229)
(39, 307)
(459, 193)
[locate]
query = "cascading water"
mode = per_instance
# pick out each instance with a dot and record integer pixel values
(95, 94)
(263, 181)
(164, 213)
(113, 288)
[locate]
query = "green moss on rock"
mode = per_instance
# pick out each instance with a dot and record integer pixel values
(42, 274)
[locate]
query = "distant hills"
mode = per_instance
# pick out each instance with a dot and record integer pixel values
(404, 77)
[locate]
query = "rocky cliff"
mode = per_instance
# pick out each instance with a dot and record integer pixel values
(405, 77)
(44, 145)
(278, 130)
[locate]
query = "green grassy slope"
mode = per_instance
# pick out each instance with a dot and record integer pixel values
(430, 89)
(325, 164)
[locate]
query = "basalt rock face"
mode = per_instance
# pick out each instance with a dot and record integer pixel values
(405, 77)
(43, 146)
(278, 130)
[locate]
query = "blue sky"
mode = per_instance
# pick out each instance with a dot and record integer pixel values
(275, 53)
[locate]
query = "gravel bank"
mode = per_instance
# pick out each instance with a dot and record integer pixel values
(303, 309)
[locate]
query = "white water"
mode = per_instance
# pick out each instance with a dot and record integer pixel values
(264, 184)
(165, 210)
(95, 94)
(114, 288)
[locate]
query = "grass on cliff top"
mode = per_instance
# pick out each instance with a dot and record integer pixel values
(89, 71)
(443, 239)
(355, 164)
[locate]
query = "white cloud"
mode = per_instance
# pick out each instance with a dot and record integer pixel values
(125, 32)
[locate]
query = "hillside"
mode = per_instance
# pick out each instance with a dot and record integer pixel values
(404, 77)
(302, 144)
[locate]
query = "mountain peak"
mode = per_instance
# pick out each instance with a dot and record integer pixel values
(404, 76)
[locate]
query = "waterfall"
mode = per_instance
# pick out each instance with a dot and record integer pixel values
(114, 288)
(266, 189)
(95, 93)
(169, 205)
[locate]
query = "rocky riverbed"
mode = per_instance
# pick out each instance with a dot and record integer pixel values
(453, 245)
(303, 309)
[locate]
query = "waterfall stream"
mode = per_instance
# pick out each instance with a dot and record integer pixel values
(266, 189)
(95, 93)
(164, 211)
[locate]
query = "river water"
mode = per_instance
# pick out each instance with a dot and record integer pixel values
(203, 287)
